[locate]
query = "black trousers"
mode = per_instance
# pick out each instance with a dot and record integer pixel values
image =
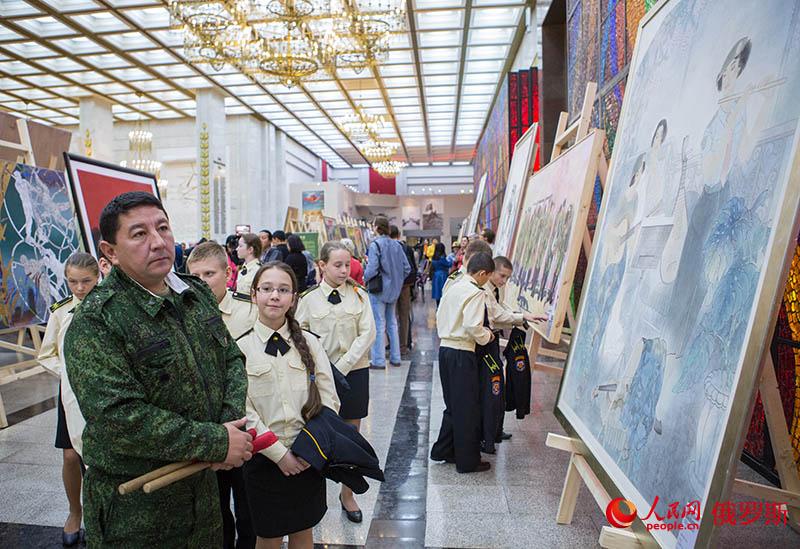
(459, 436)
(236, 534)
(492, 389)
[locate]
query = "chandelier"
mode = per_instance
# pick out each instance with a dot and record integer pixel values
(361, 126)
(140, 147)
(378, 151)
(287, 41)
(389, 168)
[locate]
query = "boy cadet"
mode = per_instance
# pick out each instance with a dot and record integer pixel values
(209, 262)
(473, 247)
(462, 322)
(501, 318)
(159, 380)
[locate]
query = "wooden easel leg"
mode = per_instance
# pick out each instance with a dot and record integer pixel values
(779, 435)
(36, 338)
(569, 494)
(3, 418)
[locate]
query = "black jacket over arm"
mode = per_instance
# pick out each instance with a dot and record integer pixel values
(339, 452)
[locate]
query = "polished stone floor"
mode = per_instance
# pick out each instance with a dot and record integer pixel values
(421, 503)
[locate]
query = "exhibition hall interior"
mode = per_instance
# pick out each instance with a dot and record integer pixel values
(399, 273)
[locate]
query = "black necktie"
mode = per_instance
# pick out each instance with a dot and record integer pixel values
(276, 344)
(497, 294)
(486, 317)
(334, 297)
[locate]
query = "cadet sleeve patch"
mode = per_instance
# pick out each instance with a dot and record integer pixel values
(309, 290)
(57, 305)
(244, 334)
(239, 296)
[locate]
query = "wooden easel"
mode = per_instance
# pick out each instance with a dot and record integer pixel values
(564, 137)
(579, 470)
(29, 367)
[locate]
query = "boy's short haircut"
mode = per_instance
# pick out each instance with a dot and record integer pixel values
(476, 246)
(208, 250)
(502, 261)
(481, 261)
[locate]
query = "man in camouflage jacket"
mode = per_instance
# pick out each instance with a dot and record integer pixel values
(158, 379)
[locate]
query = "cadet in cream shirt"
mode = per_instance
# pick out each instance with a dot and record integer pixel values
(238, 312)
(51, 358)
(500, 316)
(244, 280)
(277, 386)
(346, 330)
(459, 318)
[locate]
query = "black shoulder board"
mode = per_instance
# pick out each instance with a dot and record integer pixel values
(455, 275)
(312, 333)
(59, 304)
(239, 296)
(355, 284)
(476, 285)
(309, 290)
(244, 334)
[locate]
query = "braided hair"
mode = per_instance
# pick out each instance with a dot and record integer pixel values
(313, 405)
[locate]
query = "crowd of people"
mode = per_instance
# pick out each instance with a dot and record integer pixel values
(195, 355)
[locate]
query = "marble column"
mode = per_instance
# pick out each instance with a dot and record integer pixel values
(96, 128)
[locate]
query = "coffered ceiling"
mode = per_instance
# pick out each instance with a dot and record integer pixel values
(435, 88)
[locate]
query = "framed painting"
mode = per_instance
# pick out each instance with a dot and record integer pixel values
(38, 233)
(472, 220)
(432, 214)
(411, 218)
(93, 184)
(311, 243)
(549, 234)
(521, 161)
(689, 259)
(330, 228)
(313, 205)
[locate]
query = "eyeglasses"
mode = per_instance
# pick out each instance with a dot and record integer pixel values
(282, 291)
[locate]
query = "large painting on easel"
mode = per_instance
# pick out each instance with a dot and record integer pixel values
(521, 160)
(698, 215)
(549, 234)
(37, 234)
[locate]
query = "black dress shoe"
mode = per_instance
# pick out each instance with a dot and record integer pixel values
(482, 466)
(503, 436)
(352, 516)
(72, 538)
(487, 448)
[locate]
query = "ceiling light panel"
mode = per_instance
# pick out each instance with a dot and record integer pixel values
(100, 22)
(435, 39)
(495, 17)
(249, 89)
(67, 6)
(15, 68)
(130, 75)
(112, 87)
(262, 99)
(62, 64)
(439, 68)
(500, 35)
(485, 66)
(45, 27)
(14, 8)
(400, 82)
(30, 50)
(444, 19)
(79, 45)
(396, 70)
(9, 84)
(44, 80)
(232, 79)
(106, 61)
(86, 77)
(436, 55)
(481, 78)
(190, 82)
(435, 91)
(169, 38)
(150, 18)
(162, 115)
(478, 89)
(171, 95)
(129, 41)
(487, 52)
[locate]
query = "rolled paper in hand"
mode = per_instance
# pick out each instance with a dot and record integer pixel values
(136, 483)
(264, 441)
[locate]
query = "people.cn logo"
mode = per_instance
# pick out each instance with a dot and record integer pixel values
(621, 512)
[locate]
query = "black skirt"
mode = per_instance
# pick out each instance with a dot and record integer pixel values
(281, 505)
(62, 434)
(355, 402)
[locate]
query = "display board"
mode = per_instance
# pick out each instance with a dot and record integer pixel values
(313, 205)
(330, 229)
(311, 243)
(93, 184)
(698, 216)
(432, 214)
(472, 220)
(524, 151)
(549, 234)
(38, 233)
(410, 218)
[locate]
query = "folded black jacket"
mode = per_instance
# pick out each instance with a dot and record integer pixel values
(339, 452)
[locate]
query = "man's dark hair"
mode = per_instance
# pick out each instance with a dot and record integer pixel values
(488, 234)
(109, 217)
(394, 232)
(269, 233)
(279, 235)
(477, 246)
(381, 225)
(502, 261)
(481, 261)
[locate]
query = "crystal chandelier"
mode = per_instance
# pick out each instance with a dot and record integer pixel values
(378, 151)
(389, 168)
(361, 126)
(287, 41)
(140, 150)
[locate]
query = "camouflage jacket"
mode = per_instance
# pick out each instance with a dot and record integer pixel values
(154, 376)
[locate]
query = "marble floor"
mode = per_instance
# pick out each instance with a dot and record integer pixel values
(421, 503)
